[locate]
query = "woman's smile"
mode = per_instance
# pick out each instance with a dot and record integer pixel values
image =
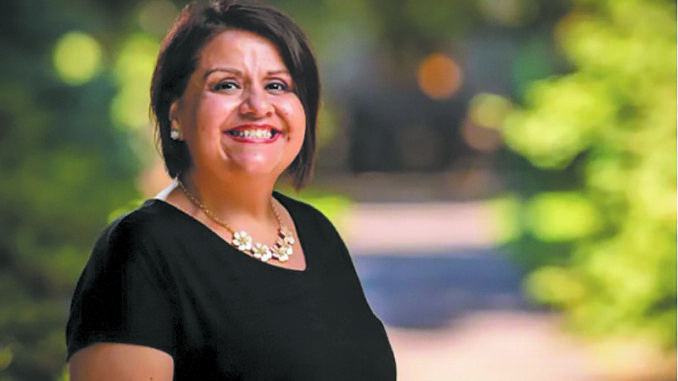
(252, 133)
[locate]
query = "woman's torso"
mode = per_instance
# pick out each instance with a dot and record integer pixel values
(234, 317)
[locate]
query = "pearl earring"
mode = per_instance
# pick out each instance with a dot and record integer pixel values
(175, 134)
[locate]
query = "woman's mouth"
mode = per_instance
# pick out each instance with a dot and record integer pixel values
(254, 134)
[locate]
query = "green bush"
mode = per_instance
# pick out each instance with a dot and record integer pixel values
(612, 122)
(64, 167)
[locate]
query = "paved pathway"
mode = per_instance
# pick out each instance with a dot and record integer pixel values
(454, 308)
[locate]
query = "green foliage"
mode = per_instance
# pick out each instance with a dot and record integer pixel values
(63, 167)
(612, 121)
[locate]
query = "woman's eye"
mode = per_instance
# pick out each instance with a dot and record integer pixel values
(277, 86)
(225, 85)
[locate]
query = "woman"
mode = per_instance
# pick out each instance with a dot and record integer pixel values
(220, 277)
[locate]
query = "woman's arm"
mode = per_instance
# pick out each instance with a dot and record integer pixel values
(112, 361)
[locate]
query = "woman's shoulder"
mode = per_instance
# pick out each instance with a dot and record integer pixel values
(151, 213)
(151, 220)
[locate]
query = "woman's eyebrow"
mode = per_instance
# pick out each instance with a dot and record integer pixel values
(224, 69)
(276, 72)
(239, 73)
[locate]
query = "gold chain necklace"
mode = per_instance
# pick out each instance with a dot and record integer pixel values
(281, 250)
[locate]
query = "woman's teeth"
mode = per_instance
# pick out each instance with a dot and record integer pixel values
(253, 134)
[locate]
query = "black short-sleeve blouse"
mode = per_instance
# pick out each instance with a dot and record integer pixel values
(159, 278)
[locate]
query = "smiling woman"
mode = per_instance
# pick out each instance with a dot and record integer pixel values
(172, 290)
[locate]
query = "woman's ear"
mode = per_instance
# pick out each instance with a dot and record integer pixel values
(174, 111)
(175, 127)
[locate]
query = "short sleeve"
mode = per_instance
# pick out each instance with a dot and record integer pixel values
(122, 296)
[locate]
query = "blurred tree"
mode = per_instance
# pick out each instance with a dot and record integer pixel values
(605, 244)
(64, 167)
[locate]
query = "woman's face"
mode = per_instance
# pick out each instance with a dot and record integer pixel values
(238, 114)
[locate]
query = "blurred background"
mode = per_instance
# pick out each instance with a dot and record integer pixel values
(503, 171)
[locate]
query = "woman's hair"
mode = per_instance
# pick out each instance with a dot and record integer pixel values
(199, 23)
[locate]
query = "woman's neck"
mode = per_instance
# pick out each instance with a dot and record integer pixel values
(248, 198)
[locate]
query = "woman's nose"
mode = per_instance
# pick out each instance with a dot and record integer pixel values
(255, 104)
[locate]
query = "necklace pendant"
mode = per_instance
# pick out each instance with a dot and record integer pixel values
(261, 252)
(282, 253)
(283, 245)
(242, 241)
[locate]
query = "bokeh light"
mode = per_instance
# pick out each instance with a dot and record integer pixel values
(486, 115)
(77, 58)
(134, 69)
(489, 110)
(439, 77)
(562, 216)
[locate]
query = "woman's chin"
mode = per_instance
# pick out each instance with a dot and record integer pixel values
(257, 159)
(254, 164)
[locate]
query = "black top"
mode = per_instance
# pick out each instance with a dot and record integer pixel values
(159, 278)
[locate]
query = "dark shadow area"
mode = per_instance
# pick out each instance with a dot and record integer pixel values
(429, 290)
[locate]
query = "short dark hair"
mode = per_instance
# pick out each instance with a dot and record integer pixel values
(199, 23)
